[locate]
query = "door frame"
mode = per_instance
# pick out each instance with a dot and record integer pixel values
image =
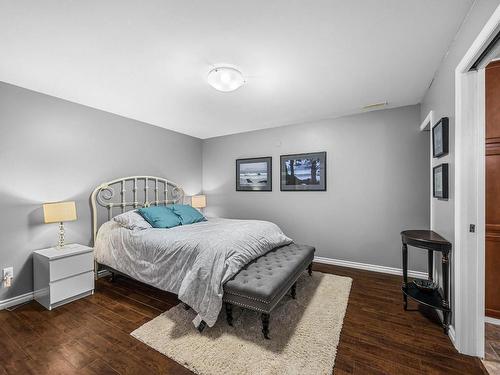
(469, 248)
(425, 126)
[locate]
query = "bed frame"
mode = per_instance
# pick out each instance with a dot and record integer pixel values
(133, 192)
(126, 193)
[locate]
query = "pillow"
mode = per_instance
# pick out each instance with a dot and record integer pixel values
(160, 216)
(188, 214)
(132, 220)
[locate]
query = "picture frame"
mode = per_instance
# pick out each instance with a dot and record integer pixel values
(254, 174)
(303, 172)
(440, 138)
(440, 181)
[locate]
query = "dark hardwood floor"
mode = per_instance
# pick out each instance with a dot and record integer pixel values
(91, 336)
(492, 348)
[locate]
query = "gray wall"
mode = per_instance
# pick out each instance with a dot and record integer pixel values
(52, 150)
(441, 98)
(378, 184)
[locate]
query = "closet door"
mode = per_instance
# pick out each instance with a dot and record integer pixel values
(492, 256)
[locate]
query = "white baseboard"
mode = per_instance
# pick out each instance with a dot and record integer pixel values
(451, 329)
(370, 267)
(9, 302)
(494, 321)
(451, 335)
(337, 262)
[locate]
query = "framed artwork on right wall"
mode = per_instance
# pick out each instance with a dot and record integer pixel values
(440, 181)
(440, 134)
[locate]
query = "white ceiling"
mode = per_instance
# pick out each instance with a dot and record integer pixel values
(304, 60)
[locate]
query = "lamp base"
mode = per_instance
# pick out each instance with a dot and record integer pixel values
(60, 245)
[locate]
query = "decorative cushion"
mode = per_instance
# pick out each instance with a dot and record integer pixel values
(262, 283)
(160, 216)
(132, 220)
(187, 214)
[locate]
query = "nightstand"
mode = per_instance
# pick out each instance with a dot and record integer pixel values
(62, 275)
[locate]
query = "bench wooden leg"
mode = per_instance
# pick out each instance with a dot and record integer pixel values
(294, 290)
(113, 277)
(310, 269)
(202, 326)
(265, 325)
(229, 314)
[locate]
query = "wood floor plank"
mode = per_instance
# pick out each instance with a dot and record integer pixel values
(77, 354)
(92, 335)
(12, 356)
(102, 368)
(18, 330)
(131, 293)
(54, 365)
(120, 308)
(119, 359)
(132, 304)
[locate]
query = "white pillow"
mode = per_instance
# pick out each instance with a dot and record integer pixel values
(132, 220)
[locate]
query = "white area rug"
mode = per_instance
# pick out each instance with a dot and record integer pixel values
(304, 334)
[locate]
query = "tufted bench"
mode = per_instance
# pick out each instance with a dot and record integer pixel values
(261, 284)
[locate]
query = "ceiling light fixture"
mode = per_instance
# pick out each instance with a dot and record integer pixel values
(225, 78)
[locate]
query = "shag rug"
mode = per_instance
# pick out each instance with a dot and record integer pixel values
(304, 334)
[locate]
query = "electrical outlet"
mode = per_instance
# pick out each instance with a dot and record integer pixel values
(7, 277)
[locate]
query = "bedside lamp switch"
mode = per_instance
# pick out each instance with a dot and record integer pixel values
(7, 276)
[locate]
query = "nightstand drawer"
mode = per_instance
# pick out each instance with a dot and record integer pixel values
(71, 265)
(71, 286)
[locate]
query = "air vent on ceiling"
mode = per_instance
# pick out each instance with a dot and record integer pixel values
(375, 105)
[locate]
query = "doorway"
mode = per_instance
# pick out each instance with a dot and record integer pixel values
(470, 189)
(492, 233)
(492, 222)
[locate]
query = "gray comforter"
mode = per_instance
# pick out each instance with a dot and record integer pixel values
(193, 261)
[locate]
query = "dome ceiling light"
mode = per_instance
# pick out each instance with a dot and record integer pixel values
(225, 79)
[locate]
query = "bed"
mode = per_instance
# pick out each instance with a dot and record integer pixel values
(193, 261)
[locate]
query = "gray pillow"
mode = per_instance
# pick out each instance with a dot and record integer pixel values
(132, 220)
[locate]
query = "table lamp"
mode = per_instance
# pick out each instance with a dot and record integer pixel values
(199, 201)
(59, 212)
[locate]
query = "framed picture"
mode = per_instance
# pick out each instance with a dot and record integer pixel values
(255, 174)
(303, 172)
(440, 181)
(440, 138)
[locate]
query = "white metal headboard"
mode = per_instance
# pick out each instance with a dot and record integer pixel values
(143, 191)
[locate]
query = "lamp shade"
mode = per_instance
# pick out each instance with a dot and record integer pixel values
(199, 201)
(58, 212)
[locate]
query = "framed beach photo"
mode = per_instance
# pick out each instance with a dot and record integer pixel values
(440, 181)
(303, 172)
(440, 138)
(255, 174)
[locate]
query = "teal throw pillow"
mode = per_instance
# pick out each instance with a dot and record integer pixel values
(188, 214)
(160, 216)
